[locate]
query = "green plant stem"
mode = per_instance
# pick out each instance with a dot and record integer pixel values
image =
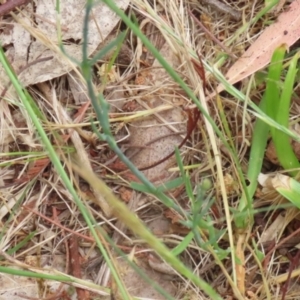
(23, 94)
(272, 92)
(136, 225)
(101, 108)
(284, 149)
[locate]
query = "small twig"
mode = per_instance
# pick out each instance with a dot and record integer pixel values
(283, 241)
(84, 237)
(56, 219)
(75, 265)
(212, 37)
(89, 239)
(60, 290)
(11, 5)
(224, 8)
(293, 263)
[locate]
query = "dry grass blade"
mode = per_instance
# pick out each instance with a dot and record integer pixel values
(224, 8)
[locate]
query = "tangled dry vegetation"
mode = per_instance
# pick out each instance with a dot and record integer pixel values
(149, 116)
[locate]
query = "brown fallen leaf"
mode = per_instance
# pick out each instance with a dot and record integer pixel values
(25, 42)
(272, 232)
(286, 30)
(159, 129)
(160, 266)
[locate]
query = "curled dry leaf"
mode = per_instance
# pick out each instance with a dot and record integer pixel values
(25, 43)
(279, 181)
(272, 232)
(286, 30)
(160, 266)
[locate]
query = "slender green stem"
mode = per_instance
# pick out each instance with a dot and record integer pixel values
(284, 149)
(27, 100)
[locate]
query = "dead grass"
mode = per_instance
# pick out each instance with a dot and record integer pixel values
(145, 104)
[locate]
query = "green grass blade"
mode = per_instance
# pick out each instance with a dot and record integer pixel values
(137, 226)
(272, 92)
(24, 96)
(57, 277)
(20, 245)
(288, 187)
(284, 150)
(34, 275)
(115, 43)
(260, 135)
(172, 184)
(182, 246)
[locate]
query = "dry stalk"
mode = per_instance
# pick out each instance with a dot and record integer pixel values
(224, 8)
